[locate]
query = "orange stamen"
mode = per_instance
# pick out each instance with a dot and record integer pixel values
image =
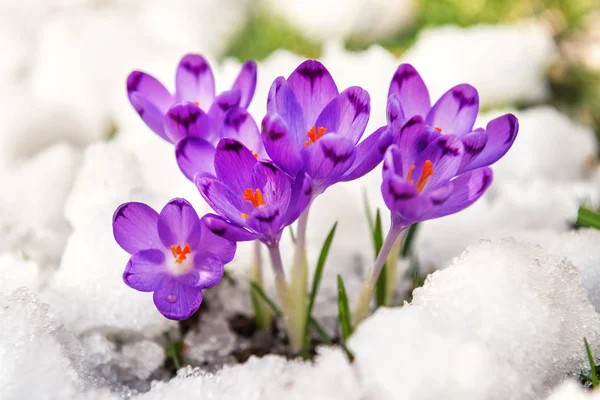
(409, 175)
(179, 253)
(254, 154)
(256, 197)
(426, 173)
(314, 134)
(437, 128)
(244, 215)
(196, 103)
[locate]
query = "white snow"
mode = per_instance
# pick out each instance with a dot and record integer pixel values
(506, 320)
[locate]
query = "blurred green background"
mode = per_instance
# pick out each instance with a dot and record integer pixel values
(575, 86)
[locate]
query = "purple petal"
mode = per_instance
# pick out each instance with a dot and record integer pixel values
(347, 114)
(223, 103)
(445, 153)
(187, 119)
(175, 300)
(145, 270)
(234, 165)
(276, 185)
(413, 139)
(412, 93)
(467, 189)
(314, 88)
(221, 199)
(283, 102)
(208, 268)
(281, 145)
(501, 134)
(194, 81)
(178, 224)
(227, 230)
(473, 143)
(240, 125)
(402, 197)
(135, 227)
(267, 221)
(300, 197)
(146, 87)
(455, 112)
(210, 242)
(195, 155)
(246, 83)
(150, 99)
(393, 161)
(394, 112)
(369, 153)
(328, 159)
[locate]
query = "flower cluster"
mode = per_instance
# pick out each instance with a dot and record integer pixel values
(258, 182)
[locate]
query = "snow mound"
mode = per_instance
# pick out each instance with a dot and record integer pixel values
(505, 305)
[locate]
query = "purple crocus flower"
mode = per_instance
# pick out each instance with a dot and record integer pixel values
(454, 113)
(254, 199)
(173, 254)
(195, 149)
(312, 127)
(422, 178)
(195, 84)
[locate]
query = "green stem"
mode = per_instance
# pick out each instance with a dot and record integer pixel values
(391, 265)
(263, 312)
(285, 299)
(366, 292)
(299, 278)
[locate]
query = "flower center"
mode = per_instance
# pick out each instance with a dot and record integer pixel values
(426, 173)
(255, 197)
(314, 134)
(180, 254)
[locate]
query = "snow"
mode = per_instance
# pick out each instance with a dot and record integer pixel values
(506, 320)
(362, 20)
(506, 63)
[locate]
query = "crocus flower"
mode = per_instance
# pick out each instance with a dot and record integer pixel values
(194, 83)
(195, 149)
(254, 199)
(312, 127)
(173, 254)
(454, 113)
(424, 182)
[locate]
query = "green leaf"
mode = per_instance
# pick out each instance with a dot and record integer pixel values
(258, 314)
(368, 211)
(315, 284)
(320, 331)
(381, 287)
(292, 234)
(593, 375)
(587, 217)
(343, 309)
(409, 239)
(173, 350)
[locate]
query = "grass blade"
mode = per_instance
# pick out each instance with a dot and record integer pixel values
(315, 284)
(587, 217)
(266, 298)
(343, 309)
(409, 239)
(368, 211)
(381, 287)
(593, 375)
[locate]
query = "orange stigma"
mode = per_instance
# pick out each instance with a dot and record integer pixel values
(254, 154)
(196, 103)
(314, 134)
(426, 173)
(256, 197)
(179, 253)
(437, 128)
